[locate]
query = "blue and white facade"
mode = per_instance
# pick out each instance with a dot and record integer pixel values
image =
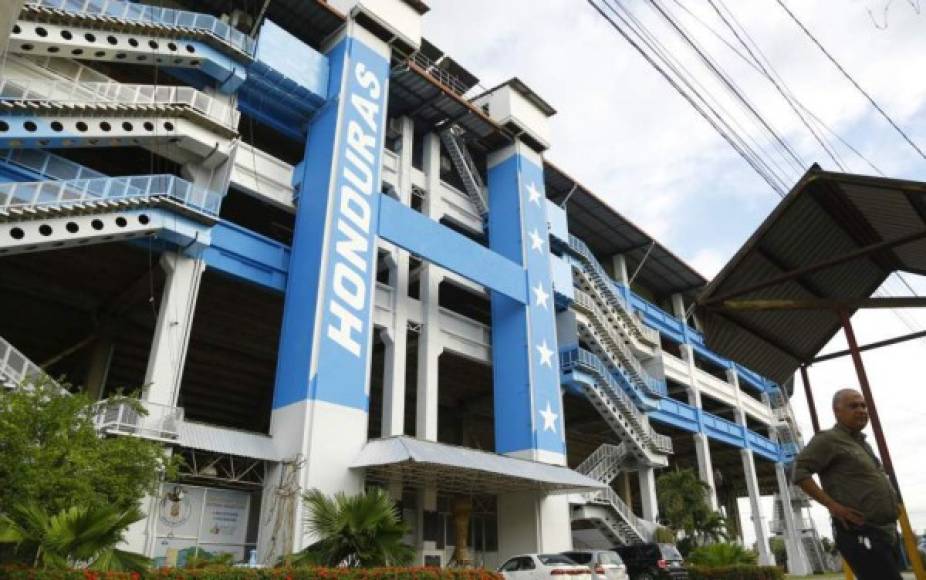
(305, 240)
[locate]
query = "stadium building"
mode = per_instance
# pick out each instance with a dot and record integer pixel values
(332, 260)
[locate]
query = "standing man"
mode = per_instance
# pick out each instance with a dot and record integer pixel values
(856, 490)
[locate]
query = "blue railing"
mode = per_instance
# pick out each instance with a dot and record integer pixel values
(154, 15)
(34, 194)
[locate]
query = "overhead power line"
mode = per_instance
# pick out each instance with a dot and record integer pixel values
(851, 80)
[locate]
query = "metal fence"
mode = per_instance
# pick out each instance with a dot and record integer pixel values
(122, 10)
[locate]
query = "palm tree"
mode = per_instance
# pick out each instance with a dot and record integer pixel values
(358, 531)
(77, 536)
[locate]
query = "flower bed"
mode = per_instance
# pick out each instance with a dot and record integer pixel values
(735, 573)
(230, 573)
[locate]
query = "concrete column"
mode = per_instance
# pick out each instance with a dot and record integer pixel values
(766, 558)
(647, 477)
(627, 490)
(678, 307)
(396, 338)
(706, 468)
(9, 11)
(797, 559)
(172, 332)
(429, 341)
(619, 267)
(101, 357)
(529, 522)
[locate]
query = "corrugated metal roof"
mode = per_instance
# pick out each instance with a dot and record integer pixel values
(230, 441)
(825, 216)
(459, 469)
(607, 232)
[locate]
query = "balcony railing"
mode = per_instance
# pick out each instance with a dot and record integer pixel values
(15, 367)
(34, 194)
(123, 418)
(122, 10)
(439, 74)
(118, 93)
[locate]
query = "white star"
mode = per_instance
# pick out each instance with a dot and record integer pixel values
(546, 355)
(549, 418)
(534, 193)
(536, 240)
(540, 297)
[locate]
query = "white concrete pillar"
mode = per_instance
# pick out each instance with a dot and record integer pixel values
(647, 477)
(678, 307)
(172, 332)
(101, 356)
(533, 523)
(797, 559)
(766, 558)
(706, 468)
(9, 11)
(619, 268)
(396, 338)
(429, 341)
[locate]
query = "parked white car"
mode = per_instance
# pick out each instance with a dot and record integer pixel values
(543, 567)
(604, 564)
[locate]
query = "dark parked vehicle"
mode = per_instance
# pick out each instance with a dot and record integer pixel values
(653, 561)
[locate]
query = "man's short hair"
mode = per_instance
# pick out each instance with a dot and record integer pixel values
(837, 397)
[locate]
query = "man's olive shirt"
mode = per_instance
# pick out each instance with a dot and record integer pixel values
(850, 474)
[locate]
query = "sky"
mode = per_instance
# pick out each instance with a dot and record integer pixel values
(623, 132)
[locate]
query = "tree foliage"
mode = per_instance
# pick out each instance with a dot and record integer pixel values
(73, 537)
(52, 457)
(683, 505)
(361, 530)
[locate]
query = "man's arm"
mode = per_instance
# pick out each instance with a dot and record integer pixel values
(840, 512)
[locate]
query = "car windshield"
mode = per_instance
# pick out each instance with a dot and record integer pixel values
(554, 559)
(579, 557)
(670, 552)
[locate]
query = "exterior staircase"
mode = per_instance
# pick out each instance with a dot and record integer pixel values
(15, 367)
(615, 406)
(452, 139)
(605, 509)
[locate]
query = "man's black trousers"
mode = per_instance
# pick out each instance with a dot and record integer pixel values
(870, 552)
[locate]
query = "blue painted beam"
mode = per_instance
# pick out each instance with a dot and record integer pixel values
(248, 256)
(440, 245)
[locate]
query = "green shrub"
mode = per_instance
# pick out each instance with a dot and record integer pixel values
(735, 573)
(722, 555)
(230, 573)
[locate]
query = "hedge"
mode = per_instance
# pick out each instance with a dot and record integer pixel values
(230, 573)
(735, 573)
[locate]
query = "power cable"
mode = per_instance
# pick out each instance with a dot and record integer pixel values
(851, 79)
(751, 161)
(777, 85)
(738, 52)
(728, 82)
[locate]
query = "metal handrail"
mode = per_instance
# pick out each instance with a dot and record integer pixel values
(610, 497)
(579, 357)
(122, 10)
(649, 383)
(15, 367)
(33, 194)
(159, 422)
(622, 307)
(118, 93)
(438, 74)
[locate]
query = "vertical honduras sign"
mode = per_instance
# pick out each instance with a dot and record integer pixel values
(327, 319)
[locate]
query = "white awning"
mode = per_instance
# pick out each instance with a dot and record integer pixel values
(228, 441)
(417, 463)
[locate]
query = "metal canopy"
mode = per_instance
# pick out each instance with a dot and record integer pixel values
(417, 463)
(607, 232)
(834, 238)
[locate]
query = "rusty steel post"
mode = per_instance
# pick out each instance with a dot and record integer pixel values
(908, 537)
(814, 419)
